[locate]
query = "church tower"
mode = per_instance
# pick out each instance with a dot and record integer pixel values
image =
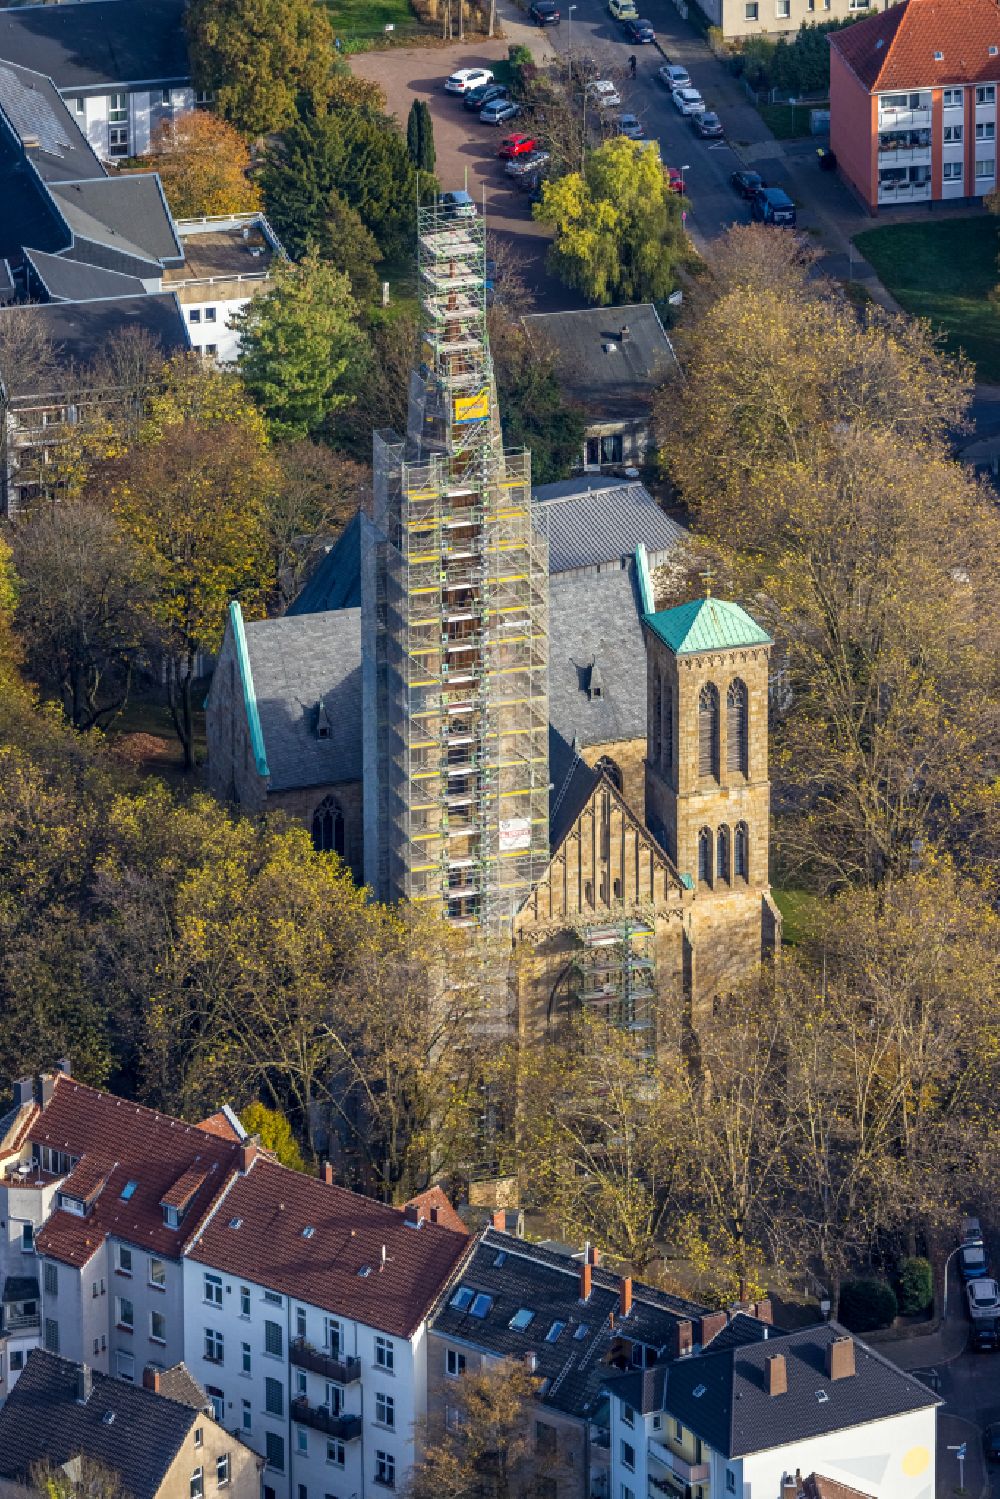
(707, 787)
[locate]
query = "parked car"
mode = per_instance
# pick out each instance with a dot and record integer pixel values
(499, 111)
(973, 1262)
(970, 1231)
(466, 79)
(674, 76)
(640, 31)
(991, 1442)
(631, 126)
(604, 93)
(708, 125)
(544, 13)
(984, 1297)
(461, 205)
(623, 10)
(676, 180)
(984, 1337)
(772, 205)
(747, 184)
(477, 97)
(527, 166)
(516, 145)
(530, 183)
(688, 101)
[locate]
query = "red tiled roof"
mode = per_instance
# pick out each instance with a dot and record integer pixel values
(140, 1145)
(435, 1200)
(273, 1205)
(87, 1178)
(817, 1487)
(220, 1126)
(182, 1191)
(895, 48)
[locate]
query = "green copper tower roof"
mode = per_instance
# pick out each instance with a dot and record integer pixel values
(706, 625)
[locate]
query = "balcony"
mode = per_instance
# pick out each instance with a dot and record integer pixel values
(904, 119)
(687, 1472)
(321, 1418)
(905, 156)
(904, 192)
(339, 1370)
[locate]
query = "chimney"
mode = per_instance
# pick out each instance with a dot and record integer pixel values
(499, 1220)
(151, 1379)
(413, 1215)
(586, 1275)
(683, 1337)
(763, 1312)
(709, 1327)
(531, 1362)
(248, 1153)
(84, 1384)
(593, 1254)
(47, 1084)
(777, 1374)
(64, 1066)
(328, 1173)
(24, 1091)
(840, 1358)
(789, 1488)
(625, 1295)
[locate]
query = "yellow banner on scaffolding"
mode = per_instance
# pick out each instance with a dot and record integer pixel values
(473, 408)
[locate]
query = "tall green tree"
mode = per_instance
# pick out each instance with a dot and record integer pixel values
(532, 408)
(348, 246)
(298, 346)
(420, 136)
(619, 236)
(261, 58)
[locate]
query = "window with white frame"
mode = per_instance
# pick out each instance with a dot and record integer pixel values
(273, 1298)
(194, 314)
(247, 1408)
(79, 106)
(385, 1469)
(274, 1397)
(157, 1327)
(123, 1259)
(952, 135)
(627, 1493)
(385, 1354)
(211, 349)
(214, 1345)
(986, 93)
(245, 1358)
(301, 1439)
(332, 1336)
(336, 1452)
(628, 1415)
(951, 98)
(385, 1409)
(210, 318)
(124, 1314)
(985, 168)
(951, 171)
(783, 9)
(165, 97)
(27, 1238)
(454, 1363)
(199, 1436)
(118, 109)
(157, 1274)
(301, 1382)
(273, 1340)
(196, 1488)
(222, 1470)
(751, 10)
(628, 1456)
(274, 1451)
(334, 1400)
(300, 1317)
(125, 1366)
(118, 146)
(217, 1400)
(986, 130)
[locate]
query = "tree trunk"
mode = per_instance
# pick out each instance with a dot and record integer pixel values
(493, 17)
(180, 701)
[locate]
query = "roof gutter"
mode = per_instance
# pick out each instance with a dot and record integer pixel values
(645, 579)
(249, 696)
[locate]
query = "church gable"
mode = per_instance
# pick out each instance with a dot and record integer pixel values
(605, 861)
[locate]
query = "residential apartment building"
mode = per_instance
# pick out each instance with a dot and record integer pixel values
(913, 103)
(738, 19)
(121, 65)
(227, 262)
(306, 1313)
(157, 1436)
(573, 1323)
(810, 1412)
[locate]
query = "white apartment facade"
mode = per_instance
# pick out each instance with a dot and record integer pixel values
(121, 122)
(227, 262)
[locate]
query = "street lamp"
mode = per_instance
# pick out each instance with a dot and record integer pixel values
(685, 168)
(569, 14)
(944, 1299)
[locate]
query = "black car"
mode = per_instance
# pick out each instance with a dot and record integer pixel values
(477, 97)
(544, 13)
(772, 205)
(984, 1335)
(747, 184)
(639, 31)
(707, 125)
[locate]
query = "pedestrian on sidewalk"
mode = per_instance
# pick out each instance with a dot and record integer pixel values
(632, 64)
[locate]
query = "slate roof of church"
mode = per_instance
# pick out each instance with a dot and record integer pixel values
(335, 581)
(296, 663)
(596, 619)
(594, 522)
(706, 624)
(99, 42)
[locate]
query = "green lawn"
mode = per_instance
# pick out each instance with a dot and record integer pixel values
(786, 121)
(359, 19)
(796, 907)
(945, 271)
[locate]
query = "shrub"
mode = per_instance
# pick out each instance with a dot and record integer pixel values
(866, 1304)
(275, 1134)
(915, 1285)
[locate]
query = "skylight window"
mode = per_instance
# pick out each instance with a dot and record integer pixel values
(501, 1259)
(462, 1298)
(308, 1231)
(128, 1191)
(939, 57)
(554, 1332)
(521, 1319)
(699, 1390)
(236, 1223)
(822, 1396)
(581, 1332)
(992, 50)
(481, 1305)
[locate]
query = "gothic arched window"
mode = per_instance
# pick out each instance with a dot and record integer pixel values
(722, 854)
(613, 772)
(668, 727)
(708, 731)
(738, 746)
(705, 856)
(741, 852)
(328, 827)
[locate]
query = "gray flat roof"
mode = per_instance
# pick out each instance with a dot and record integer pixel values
(94, 43)
(77, 330)
(597, 368)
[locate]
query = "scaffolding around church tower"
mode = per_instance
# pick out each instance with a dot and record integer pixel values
(460, 616)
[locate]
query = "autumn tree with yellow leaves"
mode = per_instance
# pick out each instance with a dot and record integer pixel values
(204, 166)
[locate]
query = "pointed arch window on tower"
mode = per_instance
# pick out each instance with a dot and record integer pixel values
(741, 852)
(667, 729)
(705, 856)
(328, 827)
(722, 854)
(708, 731)
(737, 728)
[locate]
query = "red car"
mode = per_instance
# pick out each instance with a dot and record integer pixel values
(516, 145)
(676, 180)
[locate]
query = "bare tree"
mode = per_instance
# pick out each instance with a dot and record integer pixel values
(317, 493)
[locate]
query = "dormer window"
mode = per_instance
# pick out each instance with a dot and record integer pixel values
(324, 728)
(71, 1204)
(595, 682)
(171, 1216)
